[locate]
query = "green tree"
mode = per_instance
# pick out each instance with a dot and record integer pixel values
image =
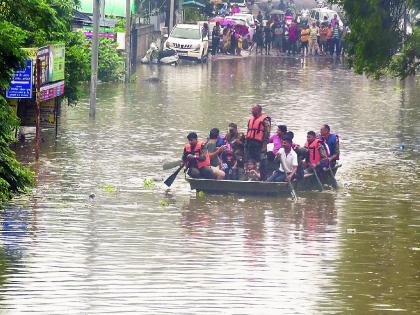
(13, 177)
(378, 42)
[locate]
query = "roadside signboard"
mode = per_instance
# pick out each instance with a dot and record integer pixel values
(21, 85)
(56, 62)
(51, 91)
(27, 114)
(44, 58)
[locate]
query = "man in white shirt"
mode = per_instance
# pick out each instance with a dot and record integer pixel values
(287, 157)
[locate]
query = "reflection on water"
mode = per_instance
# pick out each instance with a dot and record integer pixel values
(157, 251)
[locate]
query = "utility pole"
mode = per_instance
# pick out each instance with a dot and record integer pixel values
(94, 64)
(171, 16)
(38, 109)
(127, 40)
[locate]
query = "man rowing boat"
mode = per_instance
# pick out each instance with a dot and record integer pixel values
(196, 158)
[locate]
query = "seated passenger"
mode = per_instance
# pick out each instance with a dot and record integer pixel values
(230, 165)
(251, 172)
(196, 158)
(287, 157)
(333, 144)
(214, 153)
(236, 141)
(276, 138)
(268, 165)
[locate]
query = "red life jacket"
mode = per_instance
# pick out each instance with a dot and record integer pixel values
(256, 128)
(314, 156)
(197, 153)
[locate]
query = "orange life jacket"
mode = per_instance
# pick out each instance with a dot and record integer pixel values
(314, 156)
(256, 128)
(197, 153)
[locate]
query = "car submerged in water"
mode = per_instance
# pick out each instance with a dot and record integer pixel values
(189, 41)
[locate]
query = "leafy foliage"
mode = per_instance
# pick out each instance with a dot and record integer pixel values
(378, 42)
(111, 64)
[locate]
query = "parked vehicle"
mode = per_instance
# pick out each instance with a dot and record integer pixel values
(153, 55)
(188, 41)
(240, 3)
(318, 14)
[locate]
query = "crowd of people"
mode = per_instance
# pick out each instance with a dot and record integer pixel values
(316, 38)
(282, 37)
(257, 155)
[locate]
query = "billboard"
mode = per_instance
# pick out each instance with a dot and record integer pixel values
(52, 58)
(56, 62)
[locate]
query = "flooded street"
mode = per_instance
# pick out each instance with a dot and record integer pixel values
(148, 250)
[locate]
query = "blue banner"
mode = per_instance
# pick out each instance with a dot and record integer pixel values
(21, 85)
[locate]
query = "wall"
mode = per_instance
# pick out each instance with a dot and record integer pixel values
(144, 36)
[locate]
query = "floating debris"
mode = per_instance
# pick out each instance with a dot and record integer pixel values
(163, 203)
(108, 188)
(92, 196)
(351, 231)
(201, 194)
(149, 183)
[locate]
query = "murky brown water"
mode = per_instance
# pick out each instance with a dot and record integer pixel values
(126, 251)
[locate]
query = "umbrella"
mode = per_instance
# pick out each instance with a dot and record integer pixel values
(217, 19)
(227, 22)
(242, 29)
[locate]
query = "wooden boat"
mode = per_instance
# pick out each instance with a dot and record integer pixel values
(309, 182)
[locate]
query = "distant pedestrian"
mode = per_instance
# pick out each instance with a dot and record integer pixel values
(268, 38)
(259, 39)
(215, 40)
(293, 37)
(278, 31)
(329, 37)
(336, 41)
(323, 32)
(313, 41)
(304, 39)
(260, 18)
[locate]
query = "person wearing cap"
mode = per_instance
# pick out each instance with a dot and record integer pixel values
(258, 134)
(277, 137)
(196, 158)
(236, 141)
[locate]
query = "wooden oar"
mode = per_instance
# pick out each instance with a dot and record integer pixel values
(169, 181)
(321, 188)
(292, 189)
(169, 165)
(334, 181)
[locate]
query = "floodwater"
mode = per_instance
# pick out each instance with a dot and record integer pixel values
(148, 250)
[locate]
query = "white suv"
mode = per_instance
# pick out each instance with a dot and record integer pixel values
(188, 41)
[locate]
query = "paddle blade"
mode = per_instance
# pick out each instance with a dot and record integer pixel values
(169, 181)
(169, 165)
(292, 191)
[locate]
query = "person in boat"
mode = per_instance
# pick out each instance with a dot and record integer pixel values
(276, 139)
(301, 155)
(258, 134)
(236, 142)
(287, 157)
(316, 153)
(268, 165)
(196, 158)
(230, 165)
(214, 148)
(251, 172)
(333, 144)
